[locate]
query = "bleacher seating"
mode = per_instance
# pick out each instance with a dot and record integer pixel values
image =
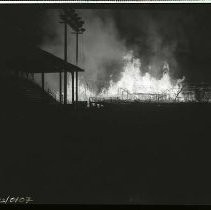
(20, 90)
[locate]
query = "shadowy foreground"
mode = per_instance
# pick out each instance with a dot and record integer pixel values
(143, 153)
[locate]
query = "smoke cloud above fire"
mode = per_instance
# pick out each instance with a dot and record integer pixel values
(155, 36)
(100, 47)
(178, 35)
(109, 36)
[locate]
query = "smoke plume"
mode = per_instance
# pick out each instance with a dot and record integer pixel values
(108, 37)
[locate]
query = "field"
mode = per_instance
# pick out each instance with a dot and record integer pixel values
(140, 153)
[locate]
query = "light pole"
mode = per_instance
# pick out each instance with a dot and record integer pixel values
(65, 59)
(71, 18)
(77, 33)
(76, 76)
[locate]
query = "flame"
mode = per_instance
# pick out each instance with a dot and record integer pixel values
(138, 85)
(134, 85)
(134, 82)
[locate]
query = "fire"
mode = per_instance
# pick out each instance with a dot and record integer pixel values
(134, 85)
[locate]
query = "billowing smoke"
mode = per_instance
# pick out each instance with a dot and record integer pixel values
(103, 49)
(108, 37)
(155, 36)
(100, 48)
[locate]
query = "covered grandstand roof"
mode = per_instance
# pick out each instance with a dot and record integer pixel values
(36, 60)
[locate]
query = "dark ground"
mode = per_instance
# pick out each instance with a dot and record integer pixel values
(139, 154)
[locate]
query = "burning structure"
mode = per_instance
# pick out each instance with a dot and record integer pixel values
(125, 75)
(136, 86)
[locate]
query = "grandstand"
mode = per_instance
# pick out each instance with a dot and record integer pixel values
(16, 70)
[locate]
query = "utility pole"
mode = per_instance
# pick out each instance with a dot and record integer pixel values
(76, 65)
(73, 87)
(77, 33)
(65, 59)
(70, 17)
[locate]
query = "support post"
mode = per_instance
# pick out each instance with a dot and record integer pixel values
(43, 81)
(76, 76)
(73, 91)
(60, 87)
(65, 59)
